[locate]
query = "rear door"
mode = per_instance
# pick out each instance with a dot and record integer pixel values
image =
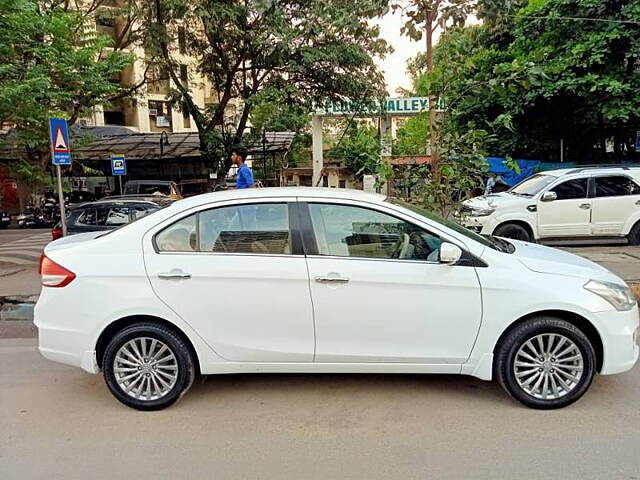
(570, 214)
(237, 275)
(617, 197)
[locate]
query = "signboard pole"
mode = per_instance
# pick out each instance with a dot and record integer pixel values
(60, 155)
(120, 179)
(63, 217)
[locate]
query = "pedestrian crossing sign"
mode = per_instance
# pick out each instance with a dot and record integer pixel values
(59, 138)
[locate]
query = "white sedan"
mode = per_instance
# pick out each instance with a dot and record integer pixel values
(326, 280)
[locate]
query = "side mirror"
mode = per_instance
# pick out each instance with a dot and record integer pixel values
(549, 196)
(450, 253)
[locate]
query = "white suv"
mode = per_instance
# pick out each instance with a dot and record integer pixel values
(561, 204)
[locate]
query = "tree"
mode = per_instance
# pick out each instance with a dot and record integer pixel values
(544, 71)
(424, 18)
(306, 51)
(51, 64)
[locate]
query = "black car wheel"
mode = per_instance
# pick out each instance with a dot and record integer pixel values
(545, 363)
(634, 235)
(514, 231)
(147, 366)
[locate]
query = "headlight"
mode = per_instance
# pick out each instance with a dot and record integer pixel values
(481, 212)
(620, 296)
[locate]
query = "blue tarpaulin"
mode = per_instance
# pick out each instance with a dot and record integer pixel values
(499, 166)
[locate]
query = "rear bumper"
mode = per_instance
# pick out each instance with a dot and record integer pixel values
(63, 343)
(620, 336)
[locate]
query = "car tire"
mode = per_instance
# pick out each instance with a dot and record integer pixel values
(634, 235)
(514, 231)
(156, 358)
(556, 378)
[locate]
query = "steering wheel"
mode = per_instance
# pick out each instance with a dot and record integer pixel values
(401, 246)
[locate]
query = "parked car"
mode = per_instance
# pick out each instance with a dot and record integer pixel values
(152, 187)
(327, 280)
(104, 215)
(5, 219)
(562, 204)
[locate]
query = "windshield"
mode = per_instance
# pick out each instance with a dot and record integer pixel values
(488, 241)
(532, 185)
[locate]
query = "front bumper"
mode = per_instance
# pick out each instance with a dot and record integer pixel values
(620, 333)
(482, 225)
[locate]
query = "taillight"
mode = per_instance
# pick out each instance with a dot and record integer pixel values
(54, 275)
(56, 233)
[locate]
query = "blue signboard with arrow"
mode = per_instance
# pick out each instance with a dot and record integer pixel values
(59, 138)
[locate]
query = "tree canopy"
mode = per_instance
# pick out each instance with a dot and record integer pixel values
(306, 51)
(52, 63)
(539, 71)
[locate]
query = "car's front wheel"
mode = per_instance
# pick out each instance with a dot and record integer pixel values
(147, 366)
(545, 363)
(514, 231)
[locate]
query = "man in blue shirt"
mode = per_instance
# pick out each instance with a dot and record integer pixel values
(244, 178)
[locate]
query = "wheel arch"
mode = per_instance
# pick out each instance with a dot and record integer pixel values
(522, 223)
(117, 325)
(575, 319)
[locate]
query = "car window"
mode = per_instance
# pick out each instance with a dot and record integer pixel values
(571, 189)
(261, 228)
(616, 186)
(117, 216)
(347, 231)
(532, 185)
(140, 211)
(179, 237)
(87, 217)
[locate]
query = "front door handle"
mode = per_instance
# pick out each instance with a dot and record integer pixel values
(638, 202)
(585, 206)
(331, 280)
(174, 275)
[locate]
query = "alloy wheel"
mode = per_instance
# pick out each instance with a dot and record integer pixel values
(145, 368)
(548, 366)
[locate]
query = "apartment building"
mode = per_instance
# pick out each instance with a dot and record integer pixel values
(148, 109)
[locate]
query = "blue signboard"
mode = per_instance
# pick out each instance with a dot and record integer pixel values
(59, 138)
(638, 141)
(118, 165)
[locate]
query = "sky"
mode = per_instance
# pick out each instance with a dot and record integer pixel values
(394, 65)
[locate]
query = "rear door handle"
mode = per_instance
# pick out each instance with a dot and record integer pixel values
(585, 206)
(174, 275)
(332, 280)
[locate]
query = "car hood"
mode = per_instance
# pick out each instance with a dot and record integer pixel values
(495, 200)
(542, 259)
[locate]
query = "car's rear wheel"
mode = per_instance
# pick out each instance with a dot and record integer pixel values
(545, 363)
(514, 231)
(147, 366)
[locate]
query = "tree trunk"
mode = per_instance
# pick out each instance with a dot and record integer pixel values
(432, 144)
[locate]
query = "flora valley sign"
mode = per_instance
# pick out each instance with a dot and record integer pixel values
(389, 106)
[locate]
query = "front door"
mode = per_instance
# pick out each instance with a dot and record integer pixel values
(380, 295)
(570, 214)
(231, 274)
(617, 198)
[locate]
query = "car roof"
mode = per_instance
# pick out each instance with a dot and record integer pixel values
(283, 192)
(115, 202)
(605, 169)
(150, 182)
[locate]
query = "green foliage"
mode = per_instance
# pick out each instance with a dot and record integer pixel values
(359, 149)
(412, 137)
(49, 65)
(305, 51)
(532, 76)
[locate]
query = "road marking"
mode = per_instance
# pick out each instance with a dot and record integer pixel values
(25, 251)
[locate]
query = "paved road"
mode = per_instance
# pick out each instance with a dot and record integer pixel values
(58, 422)
(23, 247)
